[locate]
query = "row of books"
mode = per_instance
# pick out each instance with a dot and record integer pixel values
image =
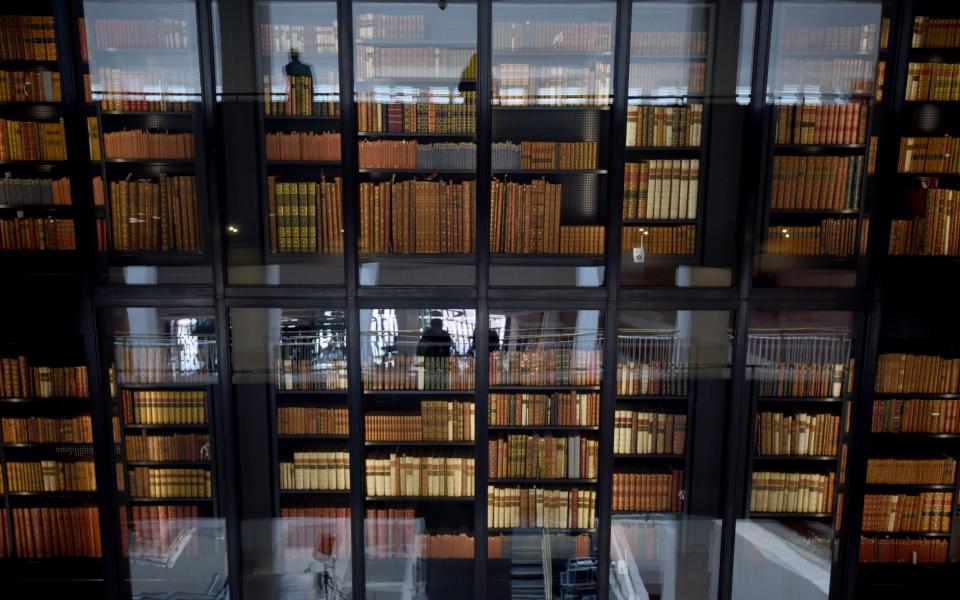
(525, 217)
(412, 216)
(646, 539)
(154, 530)
(27, 37)
(853, 38)
(303, 145)
(916, 416)
(550, 35)
(680, 240)
(657, 126)
(141, 143)
(832, 237)
(893, 550)
(932, 81)
(643, 432)
(173, 447)
(67, 532)
(844, 123)
(648, 491)
(316, 471)
(645, 375)
(907, 471)
(164, 407)
(936, 233)
(456, 64)
(895, 513)
(546, 366)
(420, 373)
(792, 492)
(298, 98)
(524, 84)
(543, 457)
(779, 379)
(900, 372)
(929, 155)
(512, 507)
(438, 420)
(930, 32)
(305, 216)
(383, 26)
(163, 359)
(559, 408)
(392, 532)
(51, 476)
(399, 475)
(458, 545)
(32, 140)
(312, 420)
(681, 78)
(308, 39)
(816, 182)
(34, 233)
(165, 32)
(840, 76)
(46, 430)
(30, 86)
(151, 482)
(691, 42)
(800, 434)
(408, 154)
(161, 89)
(661, 189)
(296, 368)
(157, 215)
(20, 379)
(418, 112)
(35, 192)
(309, 530)
(543, 156)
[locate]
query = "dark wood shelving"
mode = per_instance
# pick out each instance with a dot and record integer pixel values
(544, 482)
(170, 464)
(423, 443)
(447, 499)
(537, 428)
(284, 492)
(549, 171)
(651, 456)
(543, 388)
(193, 426)
(418, 392)
(794, 458)
(790, 515)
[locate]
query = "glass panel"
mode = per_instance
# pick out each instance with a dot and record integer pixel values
(419, 422)
(162, 366)
(552, 91)
(669, 363)
(820, 87)
(800, 369)
(290, 364)
(545, 372)
(416, 95)
(144, 121)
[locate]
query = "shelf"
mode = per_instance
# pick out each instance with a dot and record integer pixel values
(640, 56)
(314, 492)
(652, 398)
(51, 399)
(655, 222)
(828, 53)
(507, 55)
(312, 436)
(400, 135)
(418, 171)
(890, 435)
(50, 446)
(635, 456)
(177, 500)
(318, 258)
(549, 171)
(800, 399)
(146, 113)
(279, 392)
(914, 396)
(789, 515)
(318, 163)
(453, 499)
(32, 163)
(825, 149)
(578, 107)
(151, 161)
(166, 386)
(173, 464)
(53, 495)
(536, 428)
(419, 392)
(547, 260)
(47, 208)
(543, 482)
(192, 426)
(150, 258)
(816, 212)
(544, 388)
(10, 62)
(301, 118)
(907, 487)
(906, 534)
(663, 152)
(450, 259)
(434, 443)
(794, 458)
(529, 530)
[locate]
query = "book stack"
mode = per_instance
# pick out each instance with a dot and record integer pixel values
(42, 430)
(679, 240)
(640, 432)
(832, 237)
(51, 476)
(35, 192)
(417, 217)
(391, 532)
(646, 539)
(311, 420)
(408, 154)
(930, 32)
(899, 372)
(803, 365)
(678, 126)
(396, 475)
(543, 457)
(161, 216)
(173, 447)
(929, 512)
(420, 373)
(164, 32)
(525, 84)
(916, 416)
(525, 217)
(816, 182)
(552, 364)
(846, 76)
(439, 420)
(889, 550)
(425, 62)
(904, 471)
(150, 482)
(312, 530)
(67, 532)
(37, 234)
(27, 37)
(933, 81)
(648, 491)
(646, 367)
(512, 507)
(446, 545)
(167, 407)
(544, 156)
(29, 86)
(427, 111)
(668, 42)
(801, 434)
(552, 36)
(559, 408)
(293, 96)
(298, 367)
(140, 143)
(667, 78)
(305, 216)
(381, 26)
(307, 39)
(929, 155)
(661, 189)
(844, 123)
(20, 379)
(303, 145)
(156, 530)
(162, 89)
(32, 140)
(792, 492)
(316, 471)
(582, 239)
(936, 233)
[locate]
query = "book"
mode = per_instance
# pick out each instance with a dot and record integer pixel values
(305, 217)
(800, 434)
(659, 126)
(803, 365)
(556, 362)
(67, 532)
(35, 192)
(449, 545)
(311, 420)
(93, 139)
(931, 32)
(843, 123)
(153, 482)
(524, 84)
(899, 372)
(522, 456)
(47, 430)
(32, 140)
(403, 475)
(298, 366)
(669, 42)
(544, 156)
(151, 216)
(816, 182)
(303, 145)
(438, 420)
(37, 234)
(157, 358)
(892, 550)
(792, 492)
(327, 470)
(929, 512)
(930, 471)
(300, 96)
(140, 143)
(916, 416)
(678, 78)
(835, 76)
(417, 111)
(648, 491)
(929, 155)
(679, 240)
(27, 37)
(661, 189)
(513, 507)
(51, 476)
(932, 81)
(561, 545)
(557, 408)
(163, 407)
(649, 432)
(157, 533)
(21, 379)
(30, 86)
(307, 39)
(173, 447)
(408, 154)
(853, 38)
(161, 89)
(935, 233)
(651, 365)
(831, 237)
(425, 62)
(553, 35)
(165, 32)
(419, 373)
(309, 531)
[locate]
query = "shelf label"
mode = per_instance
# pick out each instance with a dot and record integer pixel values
(638, 255)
